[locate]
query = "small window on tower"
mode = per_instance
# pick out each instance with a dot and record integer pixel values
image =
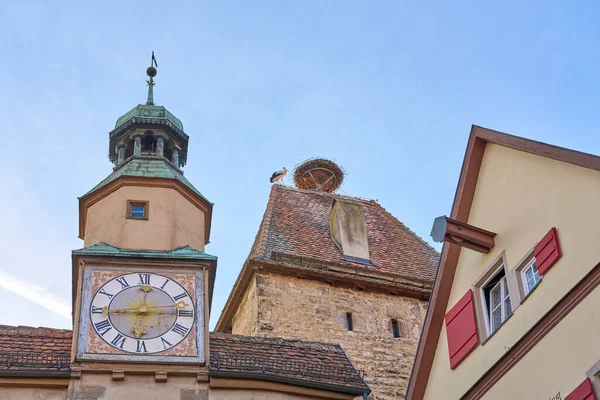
(395, 330)
(137, 209)
(349, 321)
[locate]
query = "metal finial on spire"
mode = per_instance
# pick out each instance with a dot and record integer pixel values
(151, 72)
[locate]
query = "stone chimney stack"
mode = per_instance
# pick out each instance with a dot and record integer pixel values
(348, 230)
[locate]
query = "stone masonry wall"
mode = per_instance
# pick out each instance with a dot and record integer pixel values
(244, 319)
(304, 309)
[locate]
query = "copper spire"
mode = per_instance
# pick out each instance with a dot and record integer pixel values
(151, 72)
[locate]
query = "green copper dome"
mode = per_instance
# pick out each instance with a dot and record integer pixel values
(149, 111)
(134, 132)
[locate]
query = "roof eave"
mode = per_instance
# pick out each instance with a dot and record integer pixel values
(260, 376)
(48, 374)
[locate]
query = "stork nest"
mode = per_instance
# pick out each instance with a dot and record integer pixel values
(318, 174)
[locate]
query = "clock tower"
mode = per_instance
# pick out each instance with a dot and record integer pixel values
(142, 284)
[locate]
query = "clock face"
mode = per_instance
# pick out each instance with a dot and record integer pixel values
(142, 313)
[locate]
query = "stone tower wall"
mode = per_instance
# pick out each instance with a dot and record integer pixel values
(288, 307)
(244, 319)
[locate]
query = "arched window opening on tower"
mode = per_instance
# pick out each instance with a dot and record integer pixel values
(149, 144)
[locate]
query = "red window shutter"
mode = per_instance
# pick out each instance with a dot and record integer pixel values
(582, 392)
(547, 252)
(461, 329)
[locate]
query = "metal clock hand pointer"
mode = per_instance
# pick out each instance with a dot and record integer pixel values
(142, 309)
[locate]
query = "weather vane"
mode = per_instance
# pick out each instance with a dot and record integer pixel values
(151, 72)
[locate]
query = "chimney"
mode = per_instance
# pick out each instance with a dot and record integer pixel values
(348, 230)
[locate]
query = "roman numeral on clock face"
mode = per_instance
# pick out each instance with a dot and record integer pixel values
(102, 291)
(141, 347)
(180, 296)
(144, 279)
(96, 310)
(186, 313)
(123, 282)
(102, 327)
(182, 330)
(118, 341)
(165, 343)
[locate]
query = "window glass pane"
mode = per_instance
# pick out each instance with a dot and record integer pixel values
(506, 298)
(137, 211)
(530, 284)
(496, 319)
(536, 275)
(496, 297)
(507, 307)
(529, 273)
(530, 277)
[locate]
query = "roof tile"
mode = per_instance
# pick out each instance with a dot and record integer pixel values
(296, 222)
(147, 166)
(48, 349)
(309, 361)
(29, 348)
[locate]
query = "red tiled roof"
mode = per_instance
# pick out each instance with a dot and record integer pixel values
(288, 358)
(296, 222)
(48, 349)
(29, 348)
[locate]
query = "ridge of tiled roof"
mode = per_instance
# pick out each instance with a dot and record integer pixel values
(296, 222)
(265, 226)
(303, 362)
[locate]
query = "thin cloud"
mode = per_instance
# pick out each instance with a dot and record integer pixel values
(36, 294)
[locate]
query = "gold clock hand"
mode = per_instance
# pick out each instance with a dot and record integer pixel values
(179, 305)
(143, 308)
(106, 310)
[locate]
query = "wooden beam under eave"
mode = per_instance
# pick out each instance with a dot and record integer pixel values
(462, 234)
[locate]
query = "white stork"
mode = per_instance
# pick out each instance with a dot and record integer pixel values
(277, 175)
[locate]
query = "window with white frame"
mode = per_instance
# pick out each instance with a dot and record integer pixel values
(527, 275)
(496, 295)
(530, 276)
(496, 298)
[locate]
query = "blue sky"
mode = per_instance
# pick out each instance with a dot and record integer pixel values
(387, 89)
